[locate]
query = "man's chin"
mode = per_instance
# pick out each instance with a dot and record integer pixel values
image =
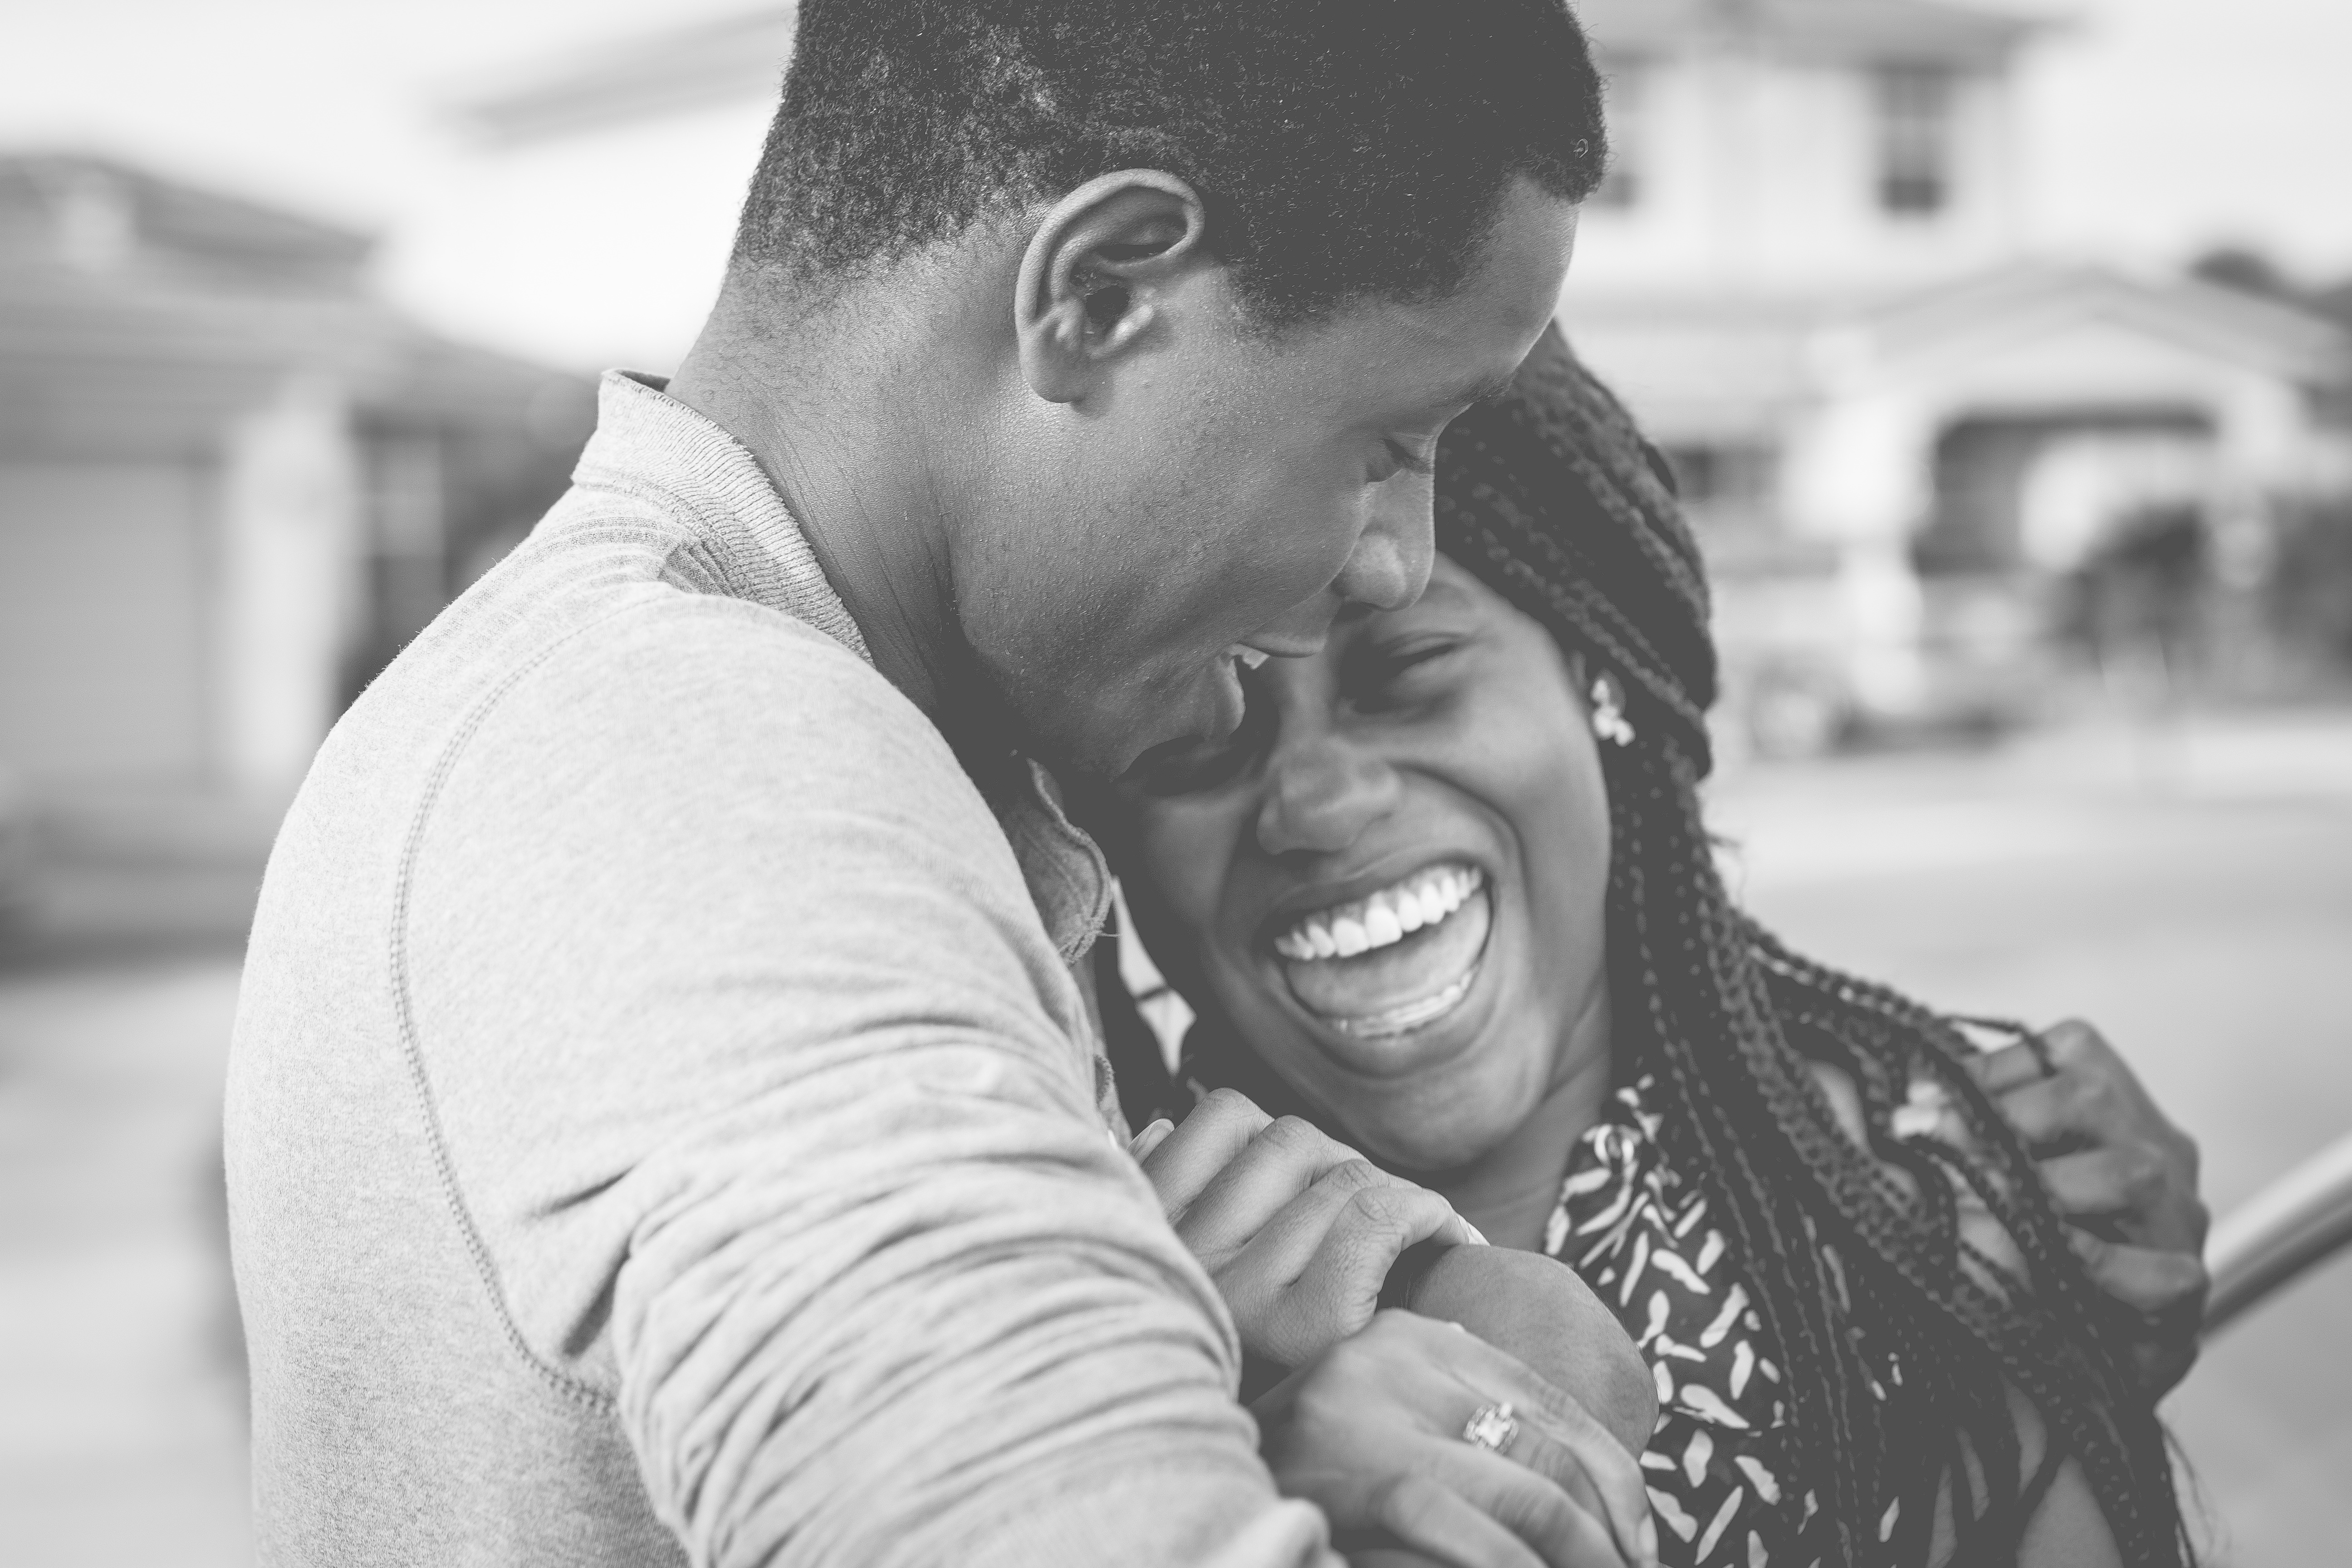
(1080, 743)
(1095, 736)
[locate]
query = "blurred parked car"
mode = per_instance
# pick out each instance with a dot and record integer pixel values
(1810, 665)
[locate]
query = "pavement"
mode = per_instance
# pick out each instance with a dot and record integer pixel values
(121, 1428)
(2189, 889)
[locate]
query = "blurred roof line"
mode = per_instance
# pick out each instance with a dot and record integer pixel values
(634, 78)
(104, 213)
(733, 56)
(137, 313)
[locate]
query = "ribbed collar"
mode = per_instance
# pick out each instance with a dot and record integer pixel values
(648, 440)
(649, 443)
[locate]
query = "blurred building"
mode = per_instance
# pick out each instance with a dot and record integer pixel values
(1806, 272)
(231, 482)
(1807, 275)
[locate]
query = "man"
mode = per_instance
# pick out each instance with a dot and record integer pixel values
(663, 1124)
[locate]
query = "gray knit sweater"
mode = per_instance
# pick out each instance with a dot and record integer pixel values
(662, 1124)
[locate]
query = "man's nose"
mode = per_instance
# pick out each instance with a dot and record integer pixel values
(1322, 792)
(1391, 563)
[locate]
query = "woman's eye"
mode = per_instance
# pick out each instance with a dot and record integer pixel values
(1394, 675)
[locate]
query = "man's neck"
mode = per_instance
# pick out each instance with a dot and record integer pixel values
(845, 451)
(1510, 1194)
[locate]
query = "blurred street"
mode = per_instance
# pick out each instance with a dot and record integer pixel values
(2192, 891)
(122, 1432)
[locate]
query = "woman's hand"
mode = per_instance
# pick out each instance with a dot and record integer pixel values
(2124, 1177)
(1297, 1230)
(1372, 1431)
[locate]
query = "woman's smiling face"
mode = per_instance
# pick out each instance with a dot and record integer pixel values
(1395, 876)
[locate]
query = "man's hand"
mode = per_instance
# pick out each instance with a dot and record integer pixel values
(2124, 1177)
(1372, 1432)
(1297, 1230)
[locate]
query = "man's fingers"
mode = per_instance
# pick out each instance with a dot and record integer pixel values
(1327, 1254)
(1283, 1159)
(1189, 1158)
(1149, 1139)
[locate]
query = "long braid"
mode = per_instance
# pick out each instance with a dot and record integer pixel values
(1553, 499)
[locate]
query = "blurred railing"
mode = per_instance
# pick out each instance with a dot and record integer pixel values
(2290, 1226)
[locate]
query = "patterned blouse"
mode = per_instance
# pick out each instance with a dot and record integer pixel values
(1719, 1464)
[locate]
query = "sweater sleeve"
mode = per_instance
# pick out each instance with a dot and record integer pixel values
(771, 1106)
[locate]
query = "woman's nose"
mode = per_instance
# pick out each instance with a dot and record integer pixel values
(1321, 795)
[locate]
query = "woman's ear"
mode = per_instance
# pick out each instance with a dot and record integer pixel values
(1097, 275)
(1579, 680)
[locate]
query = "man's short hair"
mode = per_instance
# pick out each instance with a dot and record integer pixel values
(1344, 149)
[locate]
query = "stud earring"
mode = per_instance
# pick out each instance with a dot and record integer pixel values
(1608, 711)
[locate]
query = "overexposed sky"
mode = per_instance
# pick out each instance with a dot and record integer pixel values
(2154, 128)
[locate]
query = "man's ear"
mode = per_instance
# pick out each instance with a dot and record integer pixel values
(1097, 273)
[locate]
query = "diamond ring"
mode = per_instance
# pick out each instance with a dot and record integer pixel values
(1491, 1428)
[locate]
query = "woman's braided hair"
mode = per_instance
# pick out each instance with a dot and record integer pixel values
(1552, 498)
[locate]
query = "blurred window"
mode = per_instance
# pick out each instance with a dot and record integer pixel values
(1728, 489)
(1625, 102)
(1735, 474)
(1914, 139)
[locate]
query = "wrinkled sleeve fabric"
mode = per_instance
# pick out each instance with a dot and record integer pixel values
(768, 1104)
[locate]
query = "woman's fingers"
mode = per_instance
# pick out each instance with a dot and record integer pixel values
(2054, 1115)
(2168, 1290)
(2103, 1184)
(1288, 1535)
(1532, 1447)
(2154, 1280)
(1471, 1508)
(2010, 1067)
(1502, 1377)
(2139, 1193)
(1560, 1438)
(1533, 1507)
(1425, 1517)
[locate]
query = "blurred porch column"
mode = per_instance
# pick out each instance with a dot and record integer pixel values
(1857, 475)
(291, 553)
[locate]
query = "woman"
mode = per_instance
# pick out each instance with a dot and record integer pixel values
(1448, 894)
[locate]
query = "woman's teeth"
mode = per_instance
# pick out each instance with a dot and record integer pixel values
(1423, 900)
(1393, 962)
